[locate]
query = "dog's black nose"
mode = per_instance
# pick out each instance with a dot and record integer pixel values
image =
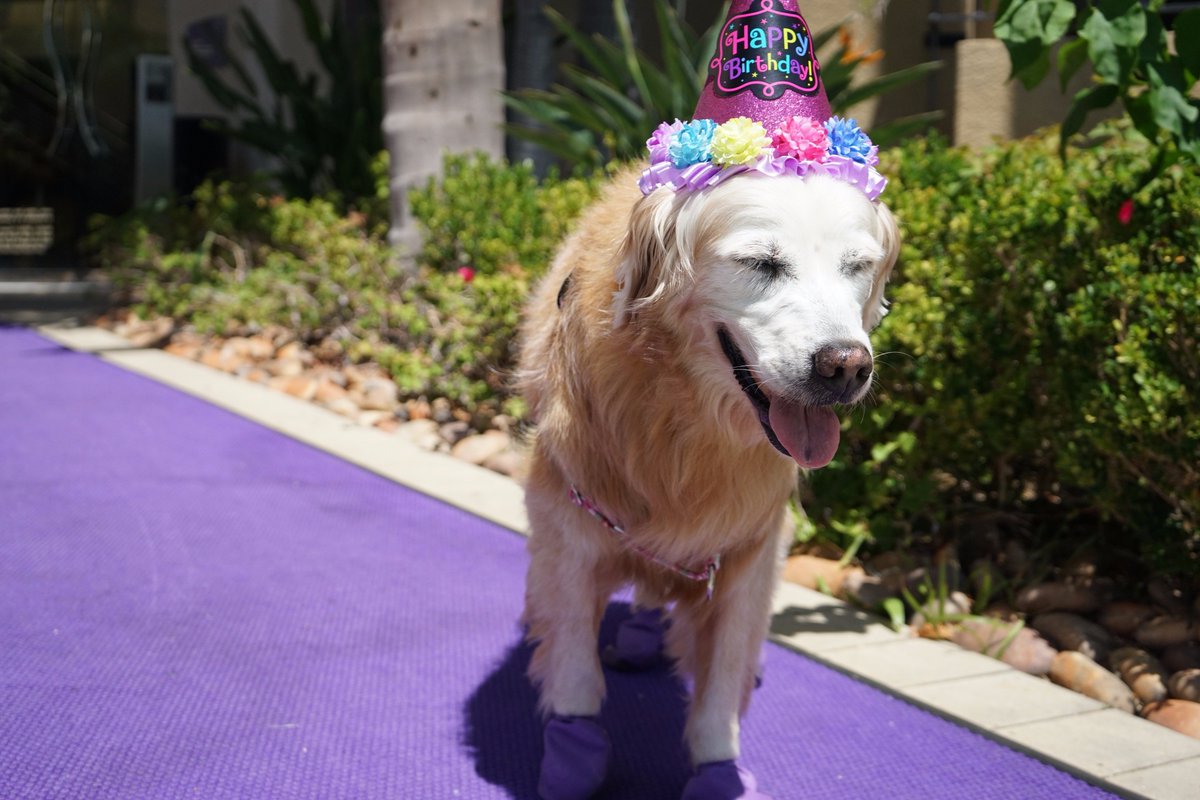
(842, 368)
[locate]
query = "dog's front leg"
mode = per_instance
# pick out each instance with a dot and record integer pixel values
(726, 638)
(565, 597)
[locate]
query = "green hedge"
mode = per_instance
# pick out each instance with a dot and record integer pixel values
(1040, 368)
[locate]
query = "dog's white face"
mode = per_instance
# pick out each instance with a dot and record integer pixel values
(778, 281)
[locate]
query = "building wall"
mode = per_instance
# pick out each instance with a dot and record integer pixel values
(277, 17)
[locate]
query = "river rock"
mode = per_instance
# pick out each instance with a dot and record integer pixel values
(455, 432)
(376, 394)
(1026, 650)
(869, 591)
(1123, 617)
(292, 351)
(820, 574)
(1178, 715)
(151, 334)
(1073, 632)
(1058, 597)
(300, 386)
(1142, 672)
(1170, 593)
(329, 389)
(1164, 631)
(373, 419)
(424, 434)
(441, 410)
(284, 367)
(1077, 672)
(952, 608)
(343, 406)
(506, 462)
(418, 409)
(184, 348)
(1185, 685)
(1179, 657)
(478, 448)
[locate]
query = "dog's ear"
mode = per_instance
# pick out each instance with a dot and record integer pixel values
(889, 237)
(648, 256)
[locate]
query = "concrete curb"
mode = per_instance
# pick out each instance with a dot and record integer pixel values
(1114, 750)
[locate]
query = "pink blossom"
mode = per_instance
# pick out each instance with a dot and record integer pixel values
(466, 273)
(802, 138)
(1125, 212)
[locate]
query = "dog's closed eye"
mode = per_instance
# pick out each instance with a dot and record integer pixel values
(769, 266)
(854, 262)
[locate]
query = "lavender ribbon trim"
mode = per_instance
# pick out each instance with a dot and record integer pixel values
(701, 176)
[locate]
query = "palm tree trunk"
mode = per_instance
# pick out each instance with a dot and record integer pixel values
(443, 72)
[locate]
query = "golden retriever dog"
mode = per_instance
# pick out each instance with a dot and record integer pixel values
(681, 360)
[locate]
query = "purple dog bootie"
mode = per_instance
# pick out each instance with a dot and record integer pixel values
(722, 780)
(639, 643)
(575, 758)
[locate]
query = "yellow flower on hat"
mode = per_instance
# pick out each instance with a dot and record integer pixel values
(741, 140)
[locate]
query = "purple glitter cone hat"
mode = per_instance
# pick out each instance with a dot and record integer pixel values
(763, 108)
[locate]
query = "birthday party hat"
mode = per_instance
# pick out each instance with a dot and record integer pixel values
(763, 108)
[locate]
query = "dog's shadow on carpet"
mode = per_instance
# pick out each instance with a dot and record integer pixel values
(643, 714)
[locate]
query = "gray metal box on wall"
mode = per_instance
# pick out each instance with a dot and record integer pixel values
(154, 123)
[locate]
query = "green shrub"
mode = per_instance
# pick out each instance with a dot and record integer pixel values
(1039, 368)
(235, 258)
(487, 215)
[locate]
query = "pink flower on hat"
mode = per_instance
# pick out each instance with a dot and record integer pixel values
(801, 137)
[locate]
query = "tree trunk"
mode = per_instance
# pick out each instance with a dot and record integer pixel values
(443, 72)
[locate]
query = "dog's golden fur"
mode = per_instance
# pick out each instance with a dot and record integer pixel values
(626, 410)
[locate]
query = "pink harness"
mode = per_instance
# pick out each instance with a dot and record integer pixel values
(708, 574)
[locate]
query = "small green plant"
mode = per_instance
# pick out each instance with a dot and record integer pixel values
(324, 137)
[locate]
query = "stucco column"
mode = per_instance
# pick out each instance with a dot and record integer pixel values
(444, 70)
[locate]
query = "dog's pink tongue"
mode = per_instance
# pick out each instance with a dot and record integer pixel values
(810, 435)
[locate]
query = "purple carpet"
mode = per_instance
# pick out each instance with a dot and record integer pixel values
(193, 606)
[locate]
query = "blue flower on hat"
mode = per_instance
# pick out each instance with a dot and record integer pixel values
(691, 143)
(847, 139)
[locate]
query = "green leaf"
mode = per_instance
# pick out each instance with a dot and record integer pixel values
(894, 608)
(1187, 41)
(632, 61)
(592, 51)
(1071, 56)
(1113, 42)
(1086, 101)
(1168, 103)
(1028, 28)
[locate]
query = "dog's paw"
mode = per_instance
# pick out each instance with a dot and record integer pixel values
(575, 758)
(722, 780)
(639, 643)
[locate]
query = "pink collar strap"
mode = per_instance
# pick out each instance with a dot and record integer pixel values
(708, 574)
